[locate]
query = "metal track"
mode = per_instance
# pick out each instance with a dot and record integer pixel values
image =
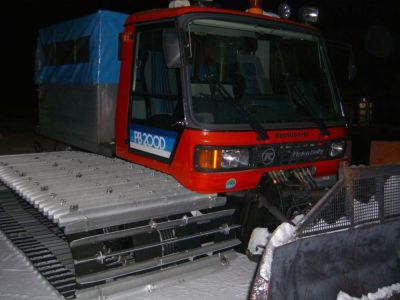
(82, 191)
(49, 251)
(42, 242)
(84, 219)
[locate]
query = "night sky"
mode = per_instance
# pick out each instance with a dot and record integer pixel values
(370, 26)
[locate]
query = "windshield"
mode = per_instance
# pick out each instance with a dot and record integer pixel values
(240, 72)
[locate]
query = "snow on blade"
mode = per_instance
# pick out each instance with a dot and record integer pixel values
(343, 221)
(381, 293)
(366, 211)
(259, 238)
(261, 285)
(282, 235)
(297, 219)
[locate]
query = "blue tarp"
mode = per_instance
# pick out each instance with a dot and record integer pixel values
(98, 62)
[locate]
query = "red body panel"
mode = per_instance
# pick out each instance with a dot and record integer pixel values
(182, 165)
(124, 87)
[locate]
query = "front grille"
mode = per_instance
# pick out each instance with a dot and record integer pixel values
(283, 154)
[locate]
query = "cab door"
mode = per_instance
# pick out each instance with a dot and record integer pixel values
(155, 110)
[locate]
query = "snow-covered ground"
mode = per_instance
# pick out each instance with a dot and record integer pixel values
(18, 278)
(232, 283)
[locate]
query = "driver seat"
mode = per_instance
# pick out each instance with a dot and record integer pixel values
(256, 83)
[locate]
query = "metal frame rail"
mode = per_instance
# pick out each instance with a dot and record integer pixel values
(363, 195)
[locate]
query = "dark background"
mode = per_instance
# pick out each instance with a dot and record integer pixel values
(371, 27)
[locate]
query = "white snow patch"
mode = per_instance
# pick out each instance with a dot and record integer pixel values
(297, 219)
(232, 282)
(196, 213)
(259, 238)
(19, 279)
(321, 224)
(282, 235)
(391, 190)
(366, 211)
(380, 294)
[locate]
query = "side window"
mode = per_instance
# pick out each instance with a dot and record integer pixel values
(156, 99)
(67, 52)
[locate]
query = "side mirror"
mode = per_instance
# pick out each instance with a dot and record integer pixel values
(171, 48)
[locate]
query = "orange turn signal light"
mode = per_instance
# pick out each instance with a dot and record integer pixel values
(210, 159)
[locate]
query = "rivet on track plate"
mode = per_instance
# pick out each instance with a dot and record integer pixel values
(73, 207)
(150, 287)
(153, 224)
(224, 260)
(185, 220)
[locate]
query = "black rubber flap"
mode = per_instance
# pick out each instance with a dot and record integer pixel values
(356, 261)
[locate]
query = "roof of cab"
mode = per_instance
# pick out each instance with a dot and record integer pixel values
(169, 13)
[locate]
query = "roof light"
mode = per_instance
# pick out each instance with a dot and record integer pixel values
(308, 14)
(178, 3)
(284, 11)
(255, 7)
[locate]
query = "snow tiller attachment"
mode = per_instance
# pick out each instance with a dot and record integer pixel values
(349, 241)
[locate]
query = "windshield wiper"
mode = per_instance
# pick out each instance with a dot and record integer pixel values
(298, 96)
(262, 134)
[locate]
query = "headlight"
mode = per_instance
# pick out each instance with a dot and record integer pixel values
(222, 159)
(235, 158)
(337, 148)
